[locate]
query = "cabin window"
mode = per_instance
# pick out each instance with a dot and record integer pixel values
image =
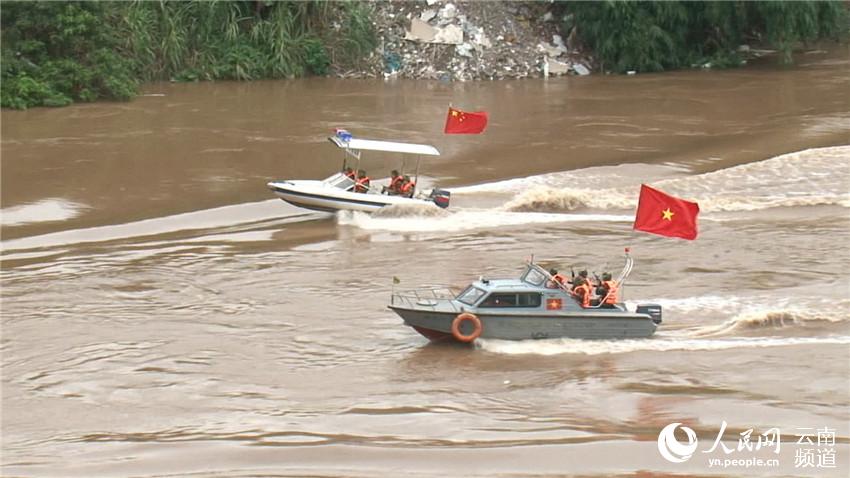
(528, 300)
(534, 277)
(470, 296)
(524, 299)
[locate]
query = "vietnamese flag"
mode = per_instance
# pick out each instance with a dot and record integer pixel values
(665, 215)
(462, 122)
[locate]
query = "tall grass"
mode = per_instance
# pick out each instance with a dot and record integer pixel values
(654, 36)
(203, 40)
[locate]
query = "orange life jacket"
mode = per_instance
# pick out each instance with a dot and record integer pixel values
(610, 287)
(559, 278)
(351, 175)
(395, 184)
(407, 188)
(586, 281)
(582, 293)
(362, 185)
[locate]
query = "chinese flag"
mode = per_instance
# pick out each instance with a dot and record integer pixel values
(461, 122)
(666, 215)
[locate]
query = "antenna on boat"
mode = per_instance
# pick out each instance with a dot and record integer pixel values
(416, 181)
(627, 269)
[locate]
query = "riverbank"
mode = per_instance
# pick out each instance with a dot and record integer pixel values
(459, 41)
(468, 40)
(58, 53)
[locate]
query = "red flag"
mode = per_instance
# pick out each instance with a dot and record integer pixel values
(462, 122)
(666, 215)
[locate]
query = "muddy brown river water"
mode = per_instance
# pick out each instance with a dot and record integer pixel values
(164, 315)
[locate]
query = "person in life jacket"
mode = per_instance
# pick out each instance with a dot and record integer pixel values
(363, 182)
(407, 187)
(581, 292)
(396, 180)
(608, 292)
(349, 173)
(582, 275)
(558, 279)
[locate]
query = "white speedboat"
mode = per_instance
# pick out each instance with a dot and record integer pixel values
(337, 192)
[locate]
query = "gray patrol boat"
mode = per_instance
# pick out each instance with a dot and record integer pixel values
(535, 306)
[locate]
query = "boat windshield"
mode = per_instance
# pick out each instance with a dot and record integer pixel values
(340, 181)
(533, 277)
(471, 295)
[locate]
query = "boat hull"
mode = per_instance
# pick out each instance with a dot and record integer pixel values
(596, 324)
(317, 196)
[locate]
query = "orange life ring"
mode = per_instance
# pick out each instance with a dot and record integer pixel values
(476, 331)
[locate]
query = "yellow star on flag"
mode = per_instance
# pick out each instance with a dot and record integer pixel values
(668, 214)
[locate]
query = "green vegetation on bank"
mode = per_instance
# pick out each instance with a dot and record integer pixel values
(55, 53)
(656, 36)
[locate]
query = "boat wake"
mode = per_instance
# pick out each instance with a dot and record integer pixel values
(661, 343)
(549, 199)
(463, 220)
(45, 210)
(225, 219)
(411, 210)
(772, 322)
(805, 178)
(761, 326)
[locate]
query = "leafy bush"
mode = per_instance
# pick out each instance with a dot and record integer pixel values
(316, 57)
(56, 53)
(655, 36)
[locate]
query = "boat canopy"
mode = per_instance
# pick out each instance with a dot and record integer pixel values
(349, 143)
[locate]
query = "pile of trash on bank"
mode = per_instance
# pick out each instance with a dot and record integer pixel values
(459, 41)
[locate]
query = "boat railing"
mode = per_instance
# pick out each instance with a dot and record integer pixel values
(621, 279)
(418, 298)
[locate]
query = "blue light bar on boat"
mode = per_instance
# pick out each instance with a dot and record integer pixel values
(343, 134)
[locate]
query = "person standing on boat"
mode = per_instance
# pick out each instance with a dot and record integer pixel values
(396, 180)
(363, 182)
(607, 291)
(581, 292)
(407, 187)
(349, 173)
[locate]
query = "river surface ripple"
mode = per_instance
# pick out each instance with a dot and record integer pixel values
(163, 315)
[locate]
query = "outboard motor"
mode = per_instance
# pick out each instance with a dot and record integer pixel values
(652, 310)
(441, 197)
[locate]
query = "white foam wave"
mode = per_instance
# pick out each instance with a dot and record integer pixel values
(411, 210)
(45, 210)
(219, 217)
(753, 314)
(592, 179)
(757, 322)
(804, 178)
(687, 305)
(549, 199)
(658, 344)
(467, 219)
